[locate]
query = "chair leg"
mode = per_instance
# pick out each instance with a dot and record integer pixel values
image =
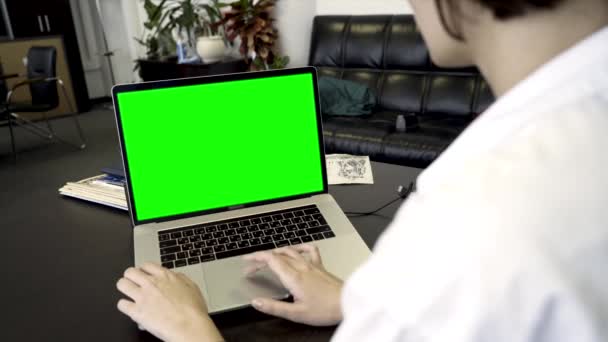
(31, 126)
(48, 125)
(83, 143)
(10, 128)
(74, 115)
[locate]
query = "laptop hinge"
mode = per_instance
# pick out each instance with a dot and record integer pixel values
(236, 207)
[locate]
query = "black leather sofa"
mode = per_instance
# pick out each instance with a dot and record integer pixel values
(387, 54)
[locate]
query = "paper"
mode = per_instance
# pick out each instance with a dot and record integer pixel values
(347, 169)
(102, 189)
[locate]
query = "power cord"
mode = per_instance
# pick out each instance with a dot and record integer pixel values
(403, 194)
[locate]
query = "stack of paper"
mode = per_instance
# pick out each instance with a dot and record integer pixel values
(103, 189)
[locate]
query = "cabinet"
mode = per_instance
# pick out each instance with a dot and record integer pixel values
(156, 70)
(26, 20)
(40, 18)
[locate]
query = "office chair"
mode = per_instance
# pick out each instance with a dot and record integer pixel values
(42, 81)
(3, 108)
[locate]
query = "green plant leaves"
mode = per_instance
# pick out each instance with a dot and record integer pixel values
(250, 21)
(154, 13)
(253, 23)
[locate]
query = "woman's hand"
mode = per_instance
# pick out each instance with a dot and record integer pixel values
(316, 292)
(167, 304)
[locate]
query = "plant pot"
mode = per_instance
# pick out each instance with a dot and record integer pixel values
(210, 49)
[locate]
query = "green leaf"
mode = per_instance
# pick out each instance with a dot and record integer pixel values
(166, 16)
(154, 11)
(214, 14)
(150, 8)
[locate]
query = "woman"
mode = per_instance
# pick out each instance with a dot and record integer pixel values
(506, 238)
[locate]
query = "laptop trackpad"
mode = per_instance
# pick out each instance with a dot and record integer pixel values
(229, 288)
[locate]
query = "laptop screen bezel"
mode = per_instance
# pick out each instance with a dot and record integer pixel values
(125, 88)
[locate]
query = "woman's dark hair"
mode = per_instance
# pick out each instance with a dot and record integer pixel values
(502, 10)
(508, 9)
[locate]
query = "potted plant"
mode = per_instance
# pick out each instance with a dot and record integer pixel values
(157, 37)
(167, 19)
(252, 21)
(210, 44)
(184, 17)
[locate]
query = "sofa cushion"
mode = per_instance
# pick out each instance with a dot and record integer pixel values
(375, 135)
(329, 72)
(450, 95)
(419, 150)
(358, 135)
(447, 128)
(368, 77)
(405, 49)
(422, 144)
(402, 91)
(328, 50)
(361, 48)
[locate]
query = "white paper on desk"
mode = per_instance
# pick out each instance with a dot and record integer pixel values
(94, 189)
(347, 169)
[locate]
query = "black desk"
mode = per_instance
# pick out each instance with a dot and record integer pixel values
(61, 257)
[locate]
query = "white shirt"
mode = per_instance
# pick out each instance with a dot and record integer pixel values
(506, 238)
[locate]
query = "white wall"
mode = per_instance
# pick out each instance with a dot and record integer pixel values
(121, 22)
(134, 16)
(294, 22)
(363, 7)
(119, 35)
(89, 38)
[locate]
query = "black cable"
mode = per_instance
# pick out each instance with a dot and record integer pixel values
(403, 194)
(356, 214)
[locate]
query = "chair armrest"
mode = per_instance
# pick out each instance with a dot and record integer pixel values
(7, 76)
(27, 82)
(33, 80)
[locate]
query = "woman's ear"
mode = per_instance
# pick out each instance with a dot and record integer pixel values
(450, 17)
(445, 50)
(457, 17)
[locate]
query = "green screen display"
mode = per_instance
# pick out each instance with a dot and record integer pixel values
(209, 146)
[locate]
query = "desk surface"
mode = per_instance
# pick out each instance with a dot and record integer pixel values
(61, 257)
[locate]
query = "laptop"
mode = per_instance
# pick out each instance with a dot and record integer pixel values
(218, 167)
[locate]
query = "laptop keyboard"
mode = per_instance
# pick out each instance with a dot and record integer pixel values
(224, 239)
